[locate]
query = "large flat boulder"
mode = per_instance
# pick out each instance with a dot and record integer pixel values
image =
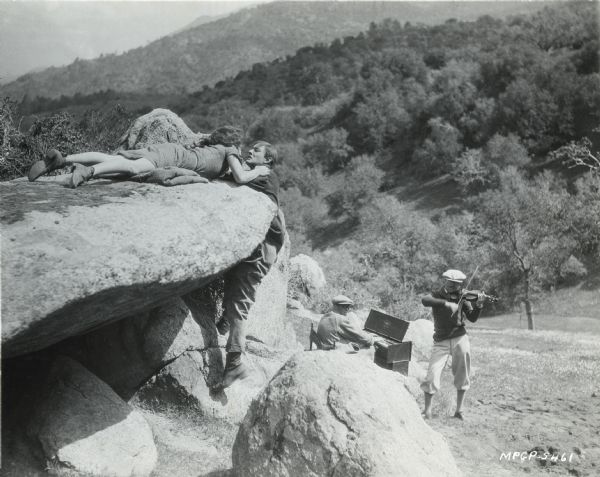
(73, 260)
(334, 414)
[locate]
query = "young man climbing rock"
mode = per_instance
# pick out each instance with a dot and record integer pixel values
(241, 282)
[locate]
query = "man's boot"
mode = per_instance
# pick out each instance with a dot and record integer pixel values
(52, 160)
(427, 411)
(80, 175)
(223, 326)
(460, 397)
(235, 369)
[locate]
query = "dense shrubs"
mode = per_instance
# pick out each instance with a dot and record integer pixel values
(93, 132)
(12, 161)
(20, 150)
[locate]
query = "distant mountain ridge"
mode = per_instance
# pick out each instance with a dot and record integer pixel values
(37, 35)
(186, 61)
(199, 21)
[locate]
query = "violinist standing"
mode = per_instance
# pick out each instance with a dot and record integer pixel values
(450, 337)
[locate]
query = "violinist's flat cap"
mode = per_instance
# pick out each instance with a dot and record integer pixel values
(341, 300)
(454, 276)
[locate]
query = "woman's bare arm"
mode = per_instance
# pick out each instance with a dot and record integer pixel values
(240, 175)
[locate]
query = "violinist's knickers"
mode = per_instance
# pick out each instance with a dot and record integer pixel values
(460, 350)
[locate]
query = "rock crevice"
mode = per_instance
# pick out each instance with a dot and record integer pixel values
(337, 413)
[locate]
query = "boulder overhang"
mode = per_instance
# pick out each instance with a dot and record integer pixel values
(73, 260)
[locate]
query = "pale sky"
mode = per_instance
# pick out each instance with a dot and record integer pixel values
(38, 34)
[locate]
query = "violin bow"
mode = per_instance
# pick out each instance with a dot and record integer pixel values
(462, 294)
(471, 279)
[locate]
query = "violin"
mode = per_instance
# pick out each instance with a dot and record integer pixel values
(473, 295)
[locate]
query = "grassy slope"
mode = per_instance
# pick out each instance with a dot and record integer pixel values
(530, 390)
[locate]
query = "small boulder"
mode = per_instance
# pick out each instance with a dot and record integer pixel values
(334, 414)
(420, 332)
(306, 276)
(416, 375)
(159, 126)
(84, 427)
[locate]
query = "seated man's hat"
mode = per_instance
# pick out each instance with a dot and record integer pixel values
(454, 276)
(341, 300)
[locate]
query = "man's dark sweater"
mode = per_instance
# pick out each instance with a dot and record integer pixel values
(269, 185)
(242, 281)
(445, 325)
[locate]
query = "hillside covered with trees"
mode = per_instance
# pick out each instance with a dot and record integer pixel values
(500, 107)
(480, 120)
(185, 61)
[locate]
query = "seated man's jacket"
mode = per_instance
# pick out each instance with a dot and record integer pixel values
(334, 327)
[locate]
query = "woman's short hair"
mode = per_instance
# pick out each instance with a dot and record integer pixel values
(226, 135)
(270, 151)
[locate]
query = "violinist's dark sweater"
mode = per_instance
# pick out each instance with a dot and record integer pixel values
(445, 326)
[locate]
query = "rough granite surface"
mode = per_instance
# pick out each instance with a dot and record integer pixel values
(73, 260)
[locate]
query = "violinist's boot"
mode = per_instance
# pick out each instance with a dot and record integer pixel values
(460, 397)
(52, 160)
(235, 369)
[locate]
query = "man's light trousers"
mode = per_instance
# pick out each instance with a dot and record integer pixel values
(460, 350)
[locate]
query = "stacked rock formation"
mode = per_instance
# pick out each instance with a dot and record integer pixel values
(118, 285)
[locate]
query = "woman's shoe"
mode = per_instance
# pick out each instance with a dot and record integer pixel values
(52, 161)
(80, 175)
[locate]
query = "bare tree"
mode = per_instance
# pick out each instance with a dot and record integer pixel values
(527, 227)
(577, 153)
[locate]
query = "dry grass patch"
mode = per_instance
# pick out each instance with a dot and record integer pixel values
(530, 391)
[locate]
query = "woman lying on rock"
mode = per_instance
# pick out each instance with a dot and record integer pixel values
(167, 163)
